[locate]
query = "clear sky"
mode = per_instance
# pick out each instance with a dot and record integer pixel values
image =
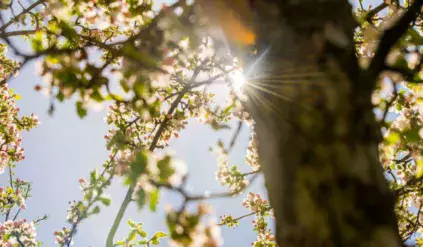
(64, 148)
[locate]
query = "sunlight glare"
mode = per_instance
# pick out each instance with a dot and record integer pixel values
(238, 81)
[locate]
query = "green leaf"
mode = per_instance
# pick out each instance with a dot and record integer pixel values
(140, 162)
(141, 198)
(93, 176)
(228, 109)
(119, 139)
(218, 126)
(392, 138)
(160, 235)
(120, 243)
(131, 237)
(37, 41)
(88, 196)
(141, 232)
(60, 96)
(143, 57)
(165, 169)
(415, 36)
(82, 112)
(155, 241)
(131, 223)
(412, 135)
(114, 97)
(154, 200)
(139, 88)
(124, 86)
(419, 169)
(68, 31)
(96, 210)
(106, 201)
(96, 95)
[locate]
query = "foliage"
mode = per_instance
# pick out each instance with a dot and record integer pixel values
(154, 69)
(137, 231)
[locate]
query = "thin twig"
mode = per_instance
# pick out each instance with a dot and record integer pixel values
(235, 136)
(239, 218)
(25, 11)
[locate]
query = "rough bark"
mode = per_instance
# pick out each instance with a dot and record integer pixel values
(318, 140)
(311, 103)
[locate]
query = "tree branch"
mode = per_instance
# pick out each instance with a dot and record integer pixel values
(235, 136)
(128, 197)
(25, 11)
(16, 33)
(375, 11)
(389, 103)
(119, 216)
(392, 35)
(239, 218)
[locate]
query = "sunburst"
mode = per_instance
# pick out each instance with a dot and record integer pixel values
(238, 81)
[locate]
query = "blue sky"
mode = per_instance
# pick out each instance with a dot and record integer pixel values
(64, 148)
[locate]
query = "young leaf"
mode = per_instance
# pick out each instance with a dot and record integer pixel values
(154, 200)
(82, 112)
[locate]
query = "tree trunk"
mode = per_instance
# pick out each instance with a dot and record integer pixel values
(318, 140)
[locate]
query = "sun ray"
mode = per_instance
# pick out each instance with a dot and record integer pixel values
(255, 65)
(270, 92)
(261, 101)
(293, 75)
(278, 83)
(265, 102)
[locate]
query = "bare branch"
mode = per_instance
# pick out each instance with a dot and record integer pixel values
(375, 11)
(17, 33)
(25, 11)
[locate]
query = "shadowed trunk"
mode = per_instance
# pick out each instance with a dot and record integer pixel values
(318, 140)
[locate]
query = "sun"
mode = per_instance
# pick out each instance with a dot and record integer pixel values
(238, 81)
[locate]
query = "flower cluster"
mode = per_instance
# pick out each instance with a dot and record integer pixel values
(19, 232)
(120, 13)
(11, 197)
(10, 127)
(8, 66)
(231, 177)
(262, 210)
(257, 204)
(229, 220)
(62, 236)
(264, 238)
(252, 157)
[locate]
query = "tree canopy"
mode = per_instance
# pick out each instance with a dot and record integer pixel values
(153, 66)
